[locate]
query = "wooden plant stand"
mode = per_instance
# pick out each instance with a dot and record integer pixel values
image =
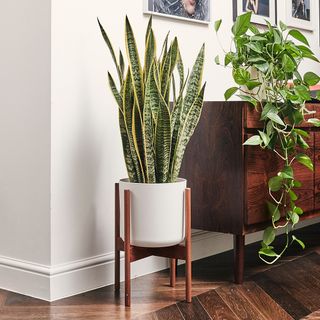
(134, 253)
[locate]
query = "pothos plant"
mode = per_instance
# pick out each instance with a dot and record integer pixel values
(265, 66)
(154, 131)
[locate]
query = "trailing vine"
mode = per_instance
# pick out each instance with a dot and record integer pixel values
(265, 66)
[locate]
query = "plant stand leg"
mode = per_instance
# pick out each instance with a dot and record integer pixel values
(116, 237)
(188, 245)
(238, 247)
(127, 247)
(173, 271)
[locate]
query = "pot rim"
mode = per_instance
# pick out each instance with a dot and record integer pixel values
(179, 180)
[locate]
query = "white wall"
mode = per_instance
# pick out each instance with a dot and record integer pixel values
(25, 130)
(85, 156)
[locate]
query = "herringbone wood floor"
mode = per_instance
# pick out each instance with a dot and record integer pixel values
(288, 290)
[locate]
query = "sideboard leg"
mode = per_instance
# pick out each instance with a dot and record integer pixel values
(238, 247)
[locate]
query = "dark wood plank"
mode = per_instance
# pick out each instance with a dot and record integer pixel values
(148, 316)
(216, 307)
(291, 305)
(193, 310)
(297, 285)
(263, 302)
(3, 297)
(313, 316)
(214, 158)
(315, 258)
(308, 271)
(239, 304)
(169, 313)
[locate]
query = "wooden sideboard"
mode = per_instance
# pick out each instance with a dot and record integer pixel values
(229, 180)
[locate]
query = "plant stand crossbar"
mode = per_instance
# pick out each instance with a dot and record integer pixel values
(134, 253)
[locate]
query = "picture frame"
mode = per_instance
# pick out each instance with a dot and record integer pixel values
(188, 10)
(303, 8)
(262, 10)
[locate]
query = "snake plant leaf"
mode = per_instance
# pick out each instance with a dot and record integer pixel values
(175, 125)
(173, 54)
(190, 123)
(174, 92)
(133, 177)
(115, 91)
(128, 103)
(148, 29)
(121, 63)
(155, 100)
(176, 119)
(180, 68)
(149, 54)
(165, 72)
(162, 140)
(151, 97)
(194, 84)
(107, 41)
(135, 65)
(164, 52)
(137, 134)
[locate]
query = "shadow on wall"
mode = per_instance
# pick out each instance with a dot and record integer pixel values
(81, 235)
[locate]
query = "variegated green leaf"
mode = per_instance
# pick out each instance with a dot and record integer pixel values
(135, 65)
(128, 104)
(190, 123)
(175, 125)
(121, 62)
(194, 84)
(137, 135)
(126, 150)
(174, 54)
(174, 92)
(107, 41)
(115, 91)
(164, 52)
(167, 70)
(180, 68)
(148, 29)
(151, 97)
(163, 141)
(176, 119)
(149, 54)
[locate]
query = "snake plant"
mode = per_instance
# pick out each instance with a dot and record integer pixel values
(154, 131)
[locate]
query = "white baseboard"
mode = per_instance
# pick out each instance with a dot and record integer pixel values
(56, 282)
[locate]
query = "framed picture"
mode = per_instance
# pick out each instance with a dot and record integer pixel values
(190, 10)
(261, 10)
(300, 13)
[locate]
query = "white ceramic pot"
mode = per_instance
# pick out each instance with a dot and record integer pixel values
(157, 212)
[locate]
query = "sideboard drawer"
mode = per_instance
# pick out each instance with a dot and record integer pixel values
(252, 117)
(260, 166)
